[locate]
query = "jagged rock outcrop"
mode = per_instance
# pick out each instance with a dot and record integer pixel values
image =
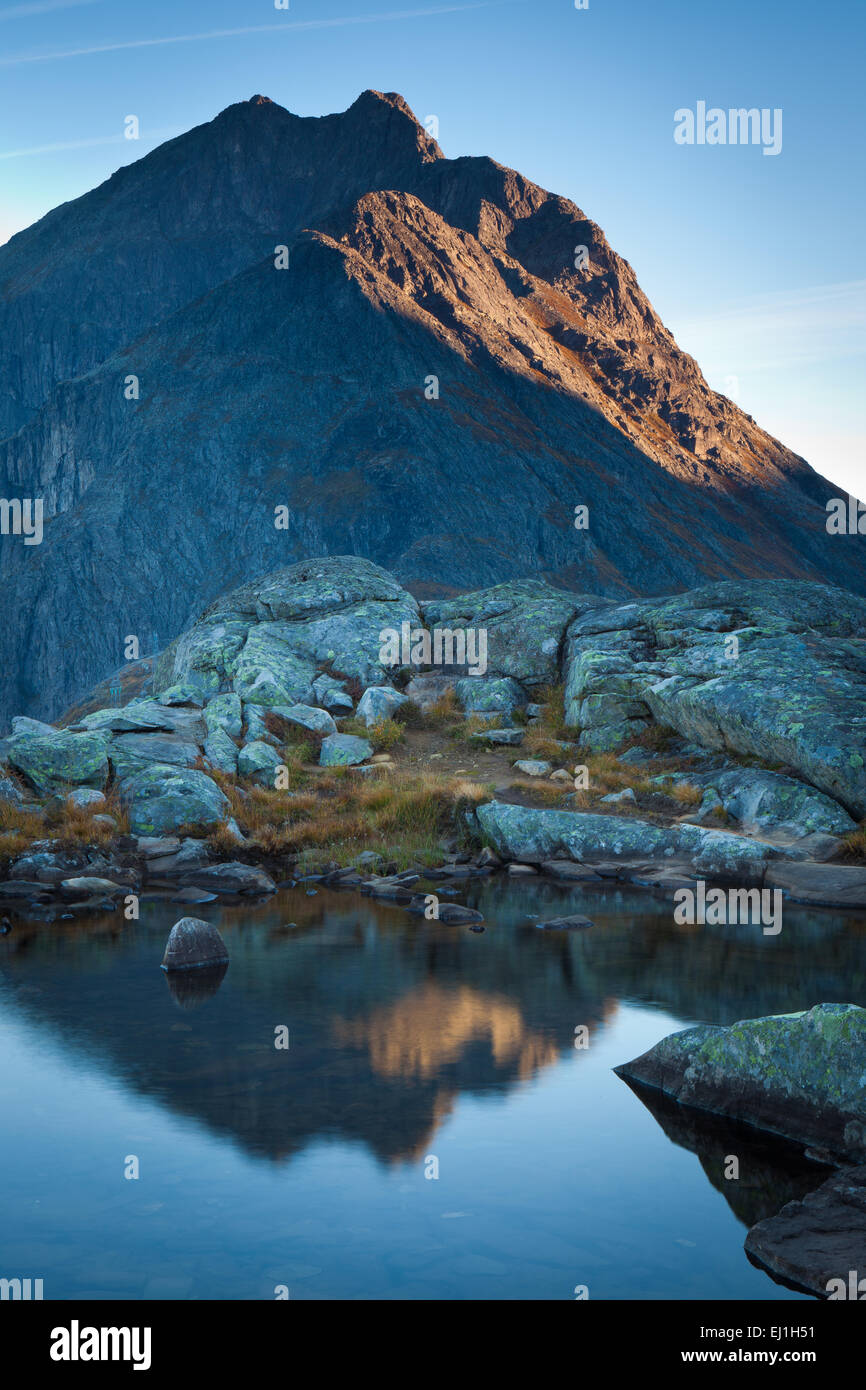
(269, 640)
(312, 388)
(776, 671)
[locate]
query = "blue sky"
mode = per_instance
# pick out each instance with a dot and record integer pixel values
(753, 261)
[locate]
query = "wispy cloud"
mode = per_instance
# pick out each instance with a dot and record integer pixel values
(290, 26)
(147, 138)
(35, 7)
(783, 330)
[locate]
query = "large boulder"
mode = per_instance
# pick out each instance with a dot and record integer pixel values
(489, 695)
(224, 712)
(130, 753)
(798, 1075)
(533, 835)
(765, 801)
(162, 798)
(221, 751)
(309, 717)
(268, 639)
(194, 943)
(816, 1243)
(378, 703)
(774, 670)
(344, 750)
(525, 622)
(132, 719)
(259, 762)
(58, 760)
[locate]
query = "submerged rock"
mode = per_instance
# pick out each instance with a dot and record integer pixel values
(565, 923)
(193, 943)
(797, 1075)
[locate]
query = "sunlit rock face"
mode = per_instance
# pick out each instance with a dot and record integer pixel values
(442, 365)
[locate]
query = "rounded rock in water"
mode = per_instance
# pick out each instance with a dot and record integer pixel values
(193, 943)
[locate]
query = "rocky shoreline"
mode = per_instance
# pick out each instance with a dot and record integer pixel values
(800, 1077)
(709, 745)
(675, 700)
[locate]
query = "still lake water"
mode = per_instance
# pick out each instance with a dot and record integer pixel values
(408, 1041)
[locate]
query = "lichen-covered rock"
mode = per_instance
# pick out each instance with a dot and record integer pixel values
(21, 724)
(344, 750)
(221, 751)
(85, 797)
(268, 639)
(428, 688)
(259, 763)
(509, 738)
(130, 753)
(799, 1075)
(163, 798)
(257, 730)
(525, 621)
(189, 694)
(762, 801)
(132, 719)
(332, 695)
(9, 792)
(378, 703)
(51, 762)
(224, 712)
(489, 695)
(533, 767)
(318, 721)
(534, 835)
(774, 670)
(194, 943)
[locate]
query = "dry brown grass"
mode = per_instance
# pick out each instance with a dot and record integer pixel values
(339, 814)
(70, 827)
(383, 736)
(854, 844)
(686, 794)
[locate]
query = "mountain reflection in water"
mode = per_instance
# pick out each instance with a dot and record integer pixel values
(407, 1039)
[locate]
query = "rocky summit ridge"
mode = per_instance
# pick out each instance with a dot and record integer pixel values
(435, 381)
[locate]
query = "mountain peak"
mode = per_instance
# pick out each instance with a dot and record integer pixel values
(259, 100)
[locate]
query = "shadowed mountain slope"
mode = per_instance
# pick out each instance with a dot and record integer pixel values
(308, 388)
